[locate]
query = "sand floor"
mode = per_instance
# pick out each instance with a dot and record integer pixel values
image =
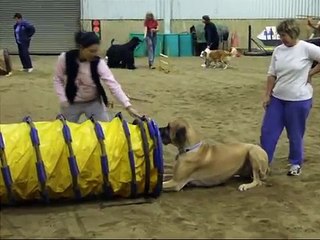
(224, 105)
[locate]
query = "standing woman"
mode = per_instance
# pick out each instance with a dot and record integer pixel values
(151, 27)
(23, 32)
(77, 81)
(288, 96)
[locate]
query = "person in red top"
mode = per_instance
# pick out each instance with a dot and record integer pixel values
(151, 27)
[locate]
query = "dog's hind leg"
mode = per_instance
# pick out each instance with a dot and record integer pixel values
(256, 182)
(259, 163)
(215, 64)
(228, 64)
(260, 157)
(225, 65)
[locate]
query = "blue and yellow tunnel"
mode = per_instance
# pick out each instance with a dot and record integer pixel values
(48, 161)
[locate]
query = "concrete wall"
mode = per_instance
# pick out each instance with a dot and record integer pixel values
(120, 29)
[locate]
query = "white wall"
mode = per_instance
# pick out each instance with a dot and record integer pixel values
(245, 9)
(120, 9)
(194, 9)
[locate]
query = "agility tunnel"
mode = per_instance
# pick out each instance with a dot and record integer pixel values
(51, 161)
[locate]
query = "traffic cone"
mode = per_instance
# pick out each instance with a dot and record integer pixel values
(235, 41)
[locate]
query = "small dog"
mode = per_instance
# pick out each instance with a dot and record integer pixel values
(122, 56)
(218, 57)
(201, 164)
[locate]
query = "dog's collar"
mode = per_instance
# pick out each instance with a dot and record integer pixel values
(190, 149)
(193, 148)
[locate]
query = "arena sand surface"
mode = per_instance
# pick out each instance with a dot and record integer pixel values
(225, 106)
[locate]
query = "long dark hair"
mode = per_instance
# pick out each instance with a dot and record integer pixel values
(86, 39)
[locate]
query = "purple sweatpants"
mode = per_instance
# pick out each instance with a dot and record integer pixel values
(289, 114)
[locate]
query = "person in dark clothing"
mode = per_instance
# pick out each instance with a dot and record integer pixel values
(23, 31)
(211, 33)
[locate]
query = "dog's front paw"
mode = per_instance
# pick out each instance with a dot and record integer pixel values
(171, 186)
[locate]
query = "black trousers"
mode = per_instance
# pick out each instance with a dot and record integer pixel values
(24, 54)
(214, 46)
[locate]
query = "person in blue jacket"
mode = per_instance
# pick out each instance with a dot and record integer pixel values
(23, 32)
(211, 33)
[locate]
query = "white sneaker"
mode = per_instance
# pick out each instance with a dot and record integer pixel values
(26, 70)
(295, 170)
(203, 65)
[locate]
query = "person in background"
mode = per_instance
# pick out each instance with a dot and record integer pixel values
(23, 32)
(316, 29)
(288, 97)
(77, 82)
(151, 27)
(211, 33)
(223, 32)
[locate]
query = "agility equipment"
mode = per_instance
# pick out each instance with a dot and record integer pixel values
(5, 63)
(251, 52)
(60, 160)
(164, 63)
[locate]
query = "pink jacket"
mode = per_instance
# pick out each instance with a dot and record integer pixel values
(87, 90)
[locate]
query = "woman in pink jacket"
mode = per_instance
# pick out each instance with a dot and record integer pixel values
(77, 82)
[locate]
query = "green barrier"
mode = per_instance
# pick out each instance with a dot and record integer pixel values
(171, 44)
(185, 45)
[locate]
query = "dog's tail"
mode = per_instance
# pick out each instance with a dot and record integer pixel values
(112, 41)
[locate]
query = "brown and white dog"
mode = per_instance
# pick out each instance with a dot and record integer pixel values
(201, 164)
(218, 57)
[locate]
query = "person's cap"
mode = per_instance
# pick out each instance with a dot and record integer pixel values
(17, 15)
(206, 17)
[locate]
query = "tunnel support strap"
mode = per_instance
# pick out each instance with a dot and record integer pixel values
(72, 160)
(41, 172)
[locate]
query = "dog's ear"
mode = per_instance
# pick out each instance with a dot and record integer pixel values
(181, 135)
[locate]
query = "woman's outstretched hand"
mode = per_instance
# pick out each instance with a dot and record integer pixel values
(133, 112)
